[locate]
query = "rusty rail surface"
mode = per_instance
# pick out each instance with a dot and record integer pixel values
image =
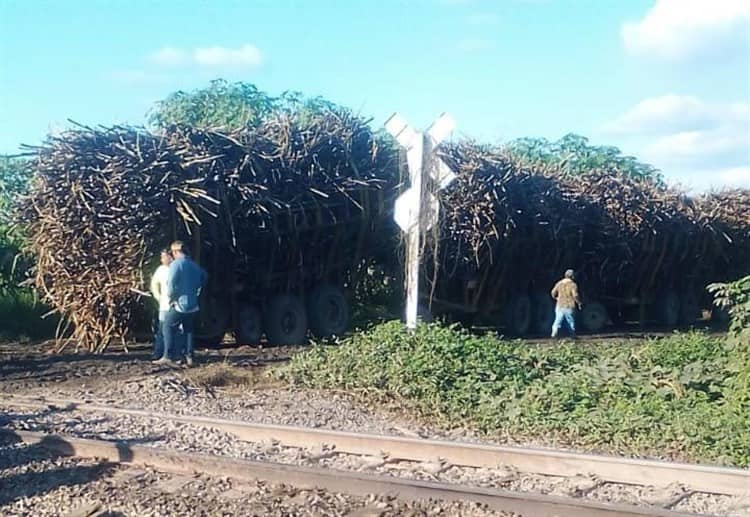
(353, 483)
(700, 478)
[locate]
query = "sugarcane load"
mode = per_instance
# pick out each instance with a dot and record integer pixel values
(287, 216)
(281, 215)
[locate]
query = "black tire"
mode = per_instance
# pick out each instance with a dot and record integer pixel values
(328, 311)
(719, 315)
(518, 314)
(211, 322)
(690, 309)
(286, 320)
(249, 325)
(668, 309)
(544, 313)
(594, 317)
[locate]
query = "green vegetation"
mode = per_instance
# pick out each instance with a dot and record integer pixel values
(573, 154)
(735, 298)
(20, 309)
(681, 396)
(228, 106)
(14, 180)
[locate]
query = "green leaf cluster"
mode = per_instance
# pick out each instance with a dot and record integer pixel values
(573, 154)
(227, 106)
(682, 396)
(734, 297)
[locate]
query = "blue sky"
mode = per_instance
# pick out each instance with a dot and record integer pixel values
(665, 80)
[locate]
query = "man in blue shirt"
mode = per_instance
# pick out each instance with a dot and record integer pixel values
(184, 282)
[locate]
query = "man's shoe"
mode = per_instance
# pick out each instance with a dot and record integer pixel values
(162, 360)
(188, 361)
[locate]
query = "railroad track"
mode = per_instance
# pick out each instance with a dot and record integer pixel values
(588, 471)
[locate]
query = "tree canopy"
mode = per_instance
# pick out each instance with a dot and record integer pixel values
(14, 181)
(230, 106)
(575, 155)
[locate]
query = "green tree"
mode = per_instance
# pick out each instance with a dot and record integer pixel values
(227, 106)
(14, 181)
(575, 155)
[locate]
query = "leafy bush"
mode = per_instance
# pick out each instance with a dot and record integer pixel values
(20, 309)
(575, 155)
(735, 297)
(21, 315)
(229, 105)
(678, 396)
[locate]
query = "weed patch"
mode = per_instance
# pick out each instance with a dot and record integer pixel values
(226, 375)
(685, 396)
(21, 315)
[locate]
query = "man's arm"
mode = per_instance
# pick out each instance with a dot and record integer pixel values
(555, 290)
(171, 281)
(155, 287)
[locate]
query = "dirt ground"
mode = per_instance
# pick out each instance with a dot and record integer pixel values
(34, 365)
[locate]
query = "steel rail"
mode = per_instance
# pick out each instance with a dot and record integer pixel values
(352, 483)
(615, 469)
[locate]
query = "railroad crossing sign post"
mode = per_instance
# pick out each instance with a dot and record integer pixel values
(417, 208)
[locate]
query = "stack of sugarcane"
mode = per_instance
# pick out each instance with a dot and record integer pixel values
(504, 223)
(105, 199)
(725, 216)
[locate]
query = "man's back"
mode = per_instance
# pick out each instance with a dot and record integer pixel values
(566, 294)
(184, 282)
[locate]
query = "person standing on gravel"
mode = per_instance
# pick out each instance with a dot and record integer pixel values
(565, 294)
(159, 292)
(184, 282)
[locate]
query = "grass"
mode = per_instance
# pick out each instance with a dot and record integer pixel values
(21, 316)
(226, 375)
(684, 397)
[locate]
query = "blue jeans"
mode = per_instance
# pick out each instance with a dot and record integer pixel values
(158, 336)
(171, 329)
(566, 315)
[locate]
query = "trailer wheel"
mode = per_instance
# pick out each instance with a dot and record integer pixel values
(211, 323)
(719, 315)
(328, 311)
(544, 313)
(668, 309)
(286, 320)
(249, 325)
(594, 316)
(689, 308)
(518, 314)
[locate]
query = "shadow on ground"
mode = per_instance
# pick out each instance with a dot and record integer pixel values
(34, 469)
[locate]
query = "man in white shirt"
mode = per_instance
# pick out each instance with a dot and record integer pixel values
(160, 294)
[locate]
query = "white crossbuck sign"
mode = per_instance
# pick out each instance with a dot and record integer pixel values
(417, 210)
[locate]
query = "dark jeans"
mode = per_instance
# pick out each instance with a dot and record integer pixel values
(158, 338)
(171, 330)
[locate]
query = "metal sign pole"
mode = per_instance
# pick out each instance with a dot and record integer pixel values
(414, 235)
(416, 209)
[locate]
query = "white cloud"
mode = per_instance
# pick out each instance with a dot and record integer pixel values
(735, 176)
(701, 145)
(705, 144)
(247, 55)
(677, 113)
(169, 56)
(675, 29)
